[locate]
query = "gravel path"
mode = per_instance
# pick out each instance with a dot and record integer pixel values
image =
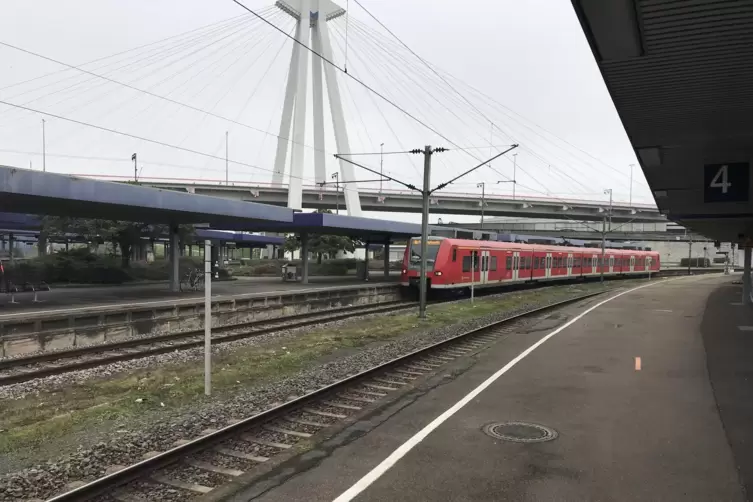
(128, 446)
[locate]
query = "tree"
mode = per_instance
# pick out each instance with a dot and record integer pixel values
(123, 234)
(330, 244)
(292, 243)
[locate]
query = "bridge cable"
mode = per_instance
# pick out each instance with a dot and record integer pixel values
(431, 68)
(229, 20)
(142, 138)
(450, 97)
(156, 96)
(370, 88)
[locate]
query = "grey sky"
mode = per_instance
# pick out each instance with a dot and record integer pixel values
(530, 56)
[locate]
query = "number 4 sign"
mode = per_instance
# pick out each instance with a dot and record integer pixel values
(726, 182)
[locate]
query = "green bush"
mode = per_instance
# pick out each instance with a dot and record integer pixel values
(80, 266)
(74, 266)
(329, 268)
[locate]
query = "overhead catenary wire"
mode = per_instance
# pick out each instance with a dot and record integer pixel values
(374, 34)
(375, 61)
(186, 105)
(157, 42)
(159, 57)
(137, 137)
(386, 66)
(127, 99)
(378, 58)
(387, 122)
(406, 65)
(159, 53)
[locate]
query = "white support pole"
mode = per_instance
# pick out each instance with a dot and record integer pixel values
(287, 113)
(747, 300)
(295, 187)
(473, 273)
(352, 200)
(320, 170)
(208, 317)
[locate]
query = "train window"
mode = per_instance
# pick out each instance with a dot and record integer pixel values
(535, 262)
(476, 260)
(466, 263)
(454, 254)
(528, 263)
(494, 264)
(508, 263)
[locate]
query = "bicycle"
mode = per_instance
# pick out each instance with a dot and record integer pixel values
(193, 280)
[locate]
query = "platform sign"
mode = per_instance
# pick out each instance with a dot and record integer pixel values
(726, 182)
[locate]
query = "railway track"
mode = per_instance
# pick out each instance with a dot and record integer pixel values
(206, 466)
(22, 369)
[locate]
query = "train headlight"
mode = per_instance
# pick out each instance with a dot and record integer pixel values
(438, 273)
(405, 270)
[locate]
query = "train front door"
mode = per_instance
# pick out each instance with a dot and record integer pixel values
(515, 265)
(569, 265)
(548, 265)
(611, 264)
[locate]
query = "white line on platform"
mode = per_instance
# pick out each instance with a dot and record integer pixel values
(403, 449)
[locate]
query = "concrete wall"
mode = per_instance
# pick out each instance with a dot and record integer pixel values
(670, 253)
(70, 330)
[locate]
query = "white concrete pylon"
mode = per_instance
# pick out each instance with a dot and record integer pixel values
(295, 104)
(320, 165)
(295, 187)
(352, 200)
(287, 113)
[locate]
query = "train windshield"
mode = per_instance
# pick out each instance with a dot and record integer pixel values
(415, 253)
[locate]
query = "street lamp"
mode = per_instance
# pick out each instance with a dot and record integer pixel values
(604, 231)
(513, 184)
(381, 165)
(482, 186)
(630, 203)
(336, 176)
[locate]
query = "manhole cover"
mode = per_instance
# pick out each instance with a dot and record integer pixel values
(520, 432)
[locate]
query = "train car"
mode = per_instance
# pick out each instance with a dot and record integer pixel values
(458, 263)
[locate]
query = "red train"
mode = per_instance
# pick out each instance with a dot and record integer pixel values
(455, 263)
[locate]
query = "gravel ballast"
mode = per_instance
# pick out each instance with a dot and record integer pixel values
(161, 431)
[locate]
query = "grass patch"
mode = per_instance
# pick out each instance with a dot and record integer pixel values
(112, 402)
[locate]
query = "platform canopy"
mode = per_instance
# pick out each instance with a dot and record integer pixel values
(240, 239)
(34, 192)
(371, 229)
(678, 73)
(28, 224)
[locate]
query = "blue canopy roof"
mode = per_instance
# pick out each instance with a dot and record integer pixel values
(34, 192)
(339, 224)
